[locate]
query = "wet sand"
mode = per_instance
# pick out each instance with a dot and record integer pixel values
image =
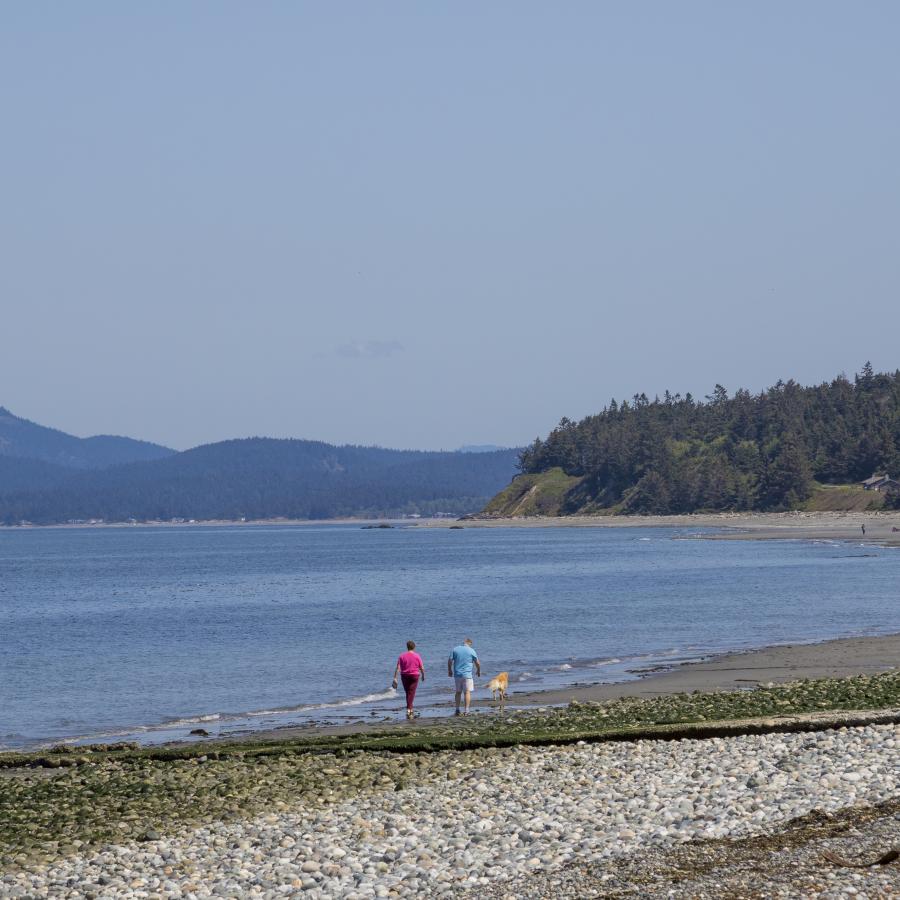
(733, 671)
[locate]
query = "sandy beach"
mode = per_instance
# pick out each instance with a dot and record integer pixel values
(796, 525)
(839, 658)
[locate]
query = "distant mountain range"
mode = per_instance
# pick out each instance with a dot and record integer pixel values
(23, 439)
(47, 476)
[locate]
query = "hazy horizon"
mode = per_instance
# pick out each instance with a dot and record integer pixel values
(467, 448)
(463, 448)
(435, 226)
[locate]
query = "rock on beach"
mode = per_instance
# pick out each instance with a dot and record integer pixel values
(494, 815)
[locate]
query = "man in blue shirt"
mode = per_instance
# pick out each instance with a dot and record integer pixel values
(459, 667)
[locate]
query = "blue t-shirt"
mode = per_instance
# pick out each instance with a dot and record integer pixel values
(462, 657)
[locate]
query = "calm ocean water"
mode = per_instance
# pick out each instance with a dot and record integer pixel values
(145, 632)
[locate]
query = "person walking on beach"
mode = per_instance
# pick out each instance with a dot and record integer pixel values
(459, 667)
(410, 668)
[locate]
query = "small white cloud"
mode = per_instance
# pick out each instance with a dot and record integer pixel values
(369, 349)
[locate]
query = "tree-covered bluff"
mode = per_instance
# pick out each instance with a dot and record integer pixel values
(776, 450)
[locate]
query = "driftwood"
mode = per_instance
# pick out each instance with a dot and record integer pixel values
(882, 860)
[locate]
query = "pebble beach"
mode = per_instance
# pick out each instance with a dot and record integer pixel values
(491, 819)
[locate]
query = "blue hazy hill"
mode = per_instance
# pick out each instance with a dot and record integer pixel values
(20, 474)
(253, 478)
(27, 440)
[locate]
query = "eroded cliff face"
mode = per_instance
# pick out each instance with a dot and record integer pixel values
(553, 493)
(542, 494)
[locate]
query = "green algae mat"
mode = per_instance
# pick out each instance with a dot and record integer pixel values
(71, 799)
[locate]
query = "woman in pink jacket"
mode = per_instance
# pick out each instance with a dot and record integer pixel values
(410, 668)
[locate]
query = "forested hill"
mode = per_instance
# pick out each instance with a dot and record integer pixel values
(261, 478)
(772, 451)
(21, 438)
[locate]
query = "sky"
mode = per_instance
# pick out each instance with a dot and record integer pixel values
(436, 224)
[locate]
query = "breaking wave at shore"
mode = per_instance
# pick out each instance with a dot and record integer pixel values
(174, 729)
(335, 704)
(432, 702)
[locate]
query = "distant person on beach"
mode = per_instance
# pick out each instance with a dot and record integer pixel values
(864, 530)
(410, 668)
(459, 667)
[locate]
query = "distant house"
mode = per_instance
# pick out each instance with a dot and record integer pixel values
(882, 483)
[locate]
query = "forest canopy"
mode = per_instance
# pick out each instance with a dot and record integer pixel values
(676, 454)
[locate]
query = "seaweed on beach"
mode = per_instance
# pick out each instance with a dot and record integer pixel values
(57, 802)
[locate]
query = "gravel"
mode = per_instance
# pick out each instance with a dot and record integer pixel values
(787, 862)
(508, 821)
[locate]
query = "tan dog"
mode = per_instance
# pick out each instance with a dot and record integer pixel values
(499, 685)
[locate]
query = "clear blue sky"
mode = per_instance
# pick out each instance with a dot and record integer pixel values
(431, 224)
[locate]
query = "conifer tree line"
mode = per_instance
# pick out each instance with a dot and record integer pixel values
(741, 452)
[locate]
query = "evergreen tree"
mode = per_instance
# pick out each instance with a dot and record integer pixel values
(742, 452)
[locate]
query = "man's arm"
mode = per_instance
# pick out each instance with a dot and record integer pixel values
(396, 673)
(450, 667)
(478, 667)
(422, 670)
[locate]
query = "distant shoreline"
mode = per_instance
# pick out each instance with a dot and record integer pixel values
(840, 526)
(222, 523)
(758, 526)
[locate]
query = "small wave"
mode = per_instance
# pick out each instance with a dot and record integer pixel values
(564, 667)
(279, 710)
(605, 662)
(177, 723)
(657, 654)
(224, 718)
(93, 737)
(190, 720)
(335, 704)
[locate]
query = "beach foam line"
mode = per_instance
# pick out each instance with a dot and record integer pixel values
(222, 718)
(334, 704)
(188, 720)
(275, 711)
(530, 672)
